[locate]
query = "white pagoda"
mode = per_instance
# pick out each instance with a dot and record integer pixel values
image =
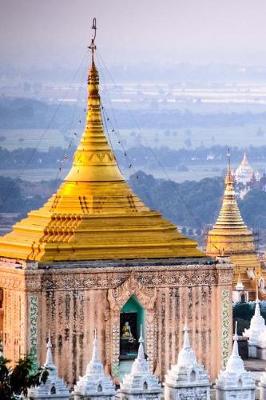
(244, 172)
(54, 388)
(95, 384)
(256, 335)
(140, 383)
(187, 379)
(235, 382)
(239, 294)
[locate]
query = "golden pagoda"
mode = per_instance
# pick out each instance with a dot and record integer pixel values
(230, 237)
(95, 214)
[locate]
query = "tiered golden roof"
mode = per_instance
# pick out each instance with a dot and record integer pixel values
(231, 237)
(95, 215)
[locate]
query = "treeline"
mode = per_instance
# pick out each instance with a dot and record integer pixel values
(140, 157)
(18, 196)
(33, 158)
(196, 204)
(24, 113)
(189, 204)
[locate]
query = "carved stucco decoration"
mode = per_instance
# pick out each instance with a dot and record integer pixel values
(148, 277)
(117, 297)
(226, 325)
(120, 295)
(33, 328)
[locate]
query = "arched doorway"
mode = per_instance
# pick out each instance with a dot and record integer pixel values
(132, 318)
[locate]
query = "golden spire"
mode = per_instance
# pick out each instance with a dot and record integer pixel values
(94, 160)
(229, 215)
(230, 236)
(95, 215)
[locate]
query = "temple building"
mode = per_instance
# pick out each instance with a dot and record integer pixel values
(95, 257)
(231, 237)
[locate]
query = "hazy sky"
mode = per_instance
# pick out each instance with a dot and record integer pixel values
(198, 31)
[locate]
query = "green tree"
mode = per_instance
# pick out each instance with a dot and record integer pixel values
(15, 382)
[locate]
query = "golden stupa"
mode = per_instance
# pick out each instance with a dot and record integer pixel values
(94, 215)
(230, 237)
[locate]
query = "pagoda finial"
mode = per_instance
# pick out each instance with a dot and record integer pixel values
(235, 339)
(257, 292)
(92, 46)
(141, 355)
(235, 363)
(49, 357)
(186, 355)
(186, 341)
(229, 175)
(95, 355)
(229, 158)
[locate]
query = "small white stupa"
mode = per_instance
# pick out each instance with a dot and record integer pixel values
(235, 382)
(95, 384)
(256, 334)
(239, 294)
(140, 383)
(54, 388)
(187, 378)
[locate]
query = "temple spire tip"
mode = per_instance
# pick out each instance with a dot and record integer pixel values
(235, 339)
(228, 159)
(92, 46)
(229, 175)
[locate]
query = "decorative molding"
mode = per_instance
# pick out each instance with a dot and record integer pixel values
(33, 328)
(119, 296)
(226, 324)
(147, 277)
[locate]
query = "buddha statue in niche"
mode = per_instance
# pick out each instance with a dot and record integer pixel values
(127, 334)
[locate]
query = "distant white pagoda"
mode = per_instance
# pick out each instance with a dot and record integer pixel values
(55, 387)
(187, 378)
(239, 294)
(95, 384)
(235, 382)
(244, 173)
(256, 334)
(140, 383)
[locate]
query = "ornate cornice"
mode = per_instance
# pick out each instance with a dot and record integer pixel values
(112, 277)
